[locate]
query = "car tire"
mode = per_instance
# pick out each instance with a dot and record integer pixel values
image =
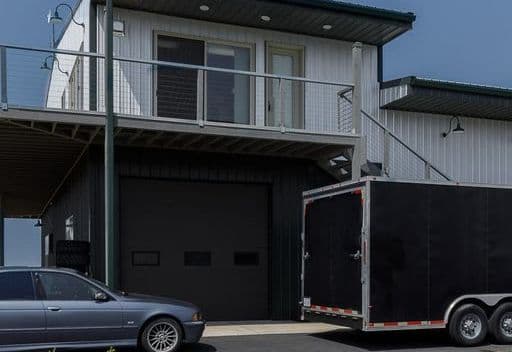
(162, 335)
(500, 324)
(468, 325)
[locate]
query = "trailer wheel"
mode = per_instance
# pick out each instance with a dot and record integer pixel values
(468, 325)
(500, 324)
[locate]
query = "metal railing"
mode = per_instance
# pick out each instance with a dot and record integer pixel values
(73, 80)
(399, 159)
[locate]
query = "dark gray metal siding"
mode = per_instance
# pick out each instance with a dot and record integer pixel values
(286, 178)
(72, 200)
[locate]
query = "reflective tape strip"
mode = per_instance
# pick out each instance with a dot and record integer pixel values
(333, 310)
(406, 323)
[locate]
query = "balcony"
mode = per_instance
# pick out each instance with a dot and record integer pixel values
(166, 104)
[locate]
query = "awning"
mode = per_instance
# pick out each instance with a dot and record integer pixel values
(348, 22)
(447, 98)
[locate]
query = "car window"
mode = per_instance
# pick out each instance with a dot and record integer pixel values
(16, 285)
(65, 287)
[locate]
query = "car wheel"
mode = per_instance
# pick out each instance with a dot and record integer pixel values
(500, 324)
(162, 335)
(468, 325)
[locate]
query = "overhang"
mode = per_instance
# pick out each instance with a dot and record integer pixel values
(447, 98)
(349, 22)
(38, 148)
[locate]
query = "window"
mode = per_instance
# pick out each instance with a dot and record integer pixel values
(70, 228)
(65, 287)
(228, 95)
(16, 285)
(246, 258)
(146, 258)
(179, 92)
(198, 258)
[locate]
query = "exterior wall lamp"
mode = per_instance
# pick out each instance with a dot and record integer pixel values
(54, 16)
(457, 130)
(46, 66)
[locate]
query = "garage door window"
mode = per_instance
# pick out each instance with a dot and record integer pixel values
(198, 258)
(246, 258)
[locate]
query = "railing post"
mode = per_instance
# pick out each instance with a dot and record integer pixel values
(358, 153)
(3, 78)
(281, 105)
(427, 171)
(201, 104)
(387, 151)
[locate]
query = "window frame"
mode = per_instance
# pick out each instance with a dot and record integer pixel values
(202, 112)
(41, 294)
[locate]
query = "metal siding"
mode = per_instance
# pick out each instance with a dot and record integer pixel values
(73, 37)
(286, 178)
(324, 59)
(481, 155)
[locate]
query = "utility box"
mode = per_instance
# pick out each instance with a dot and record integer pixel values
(384, 254)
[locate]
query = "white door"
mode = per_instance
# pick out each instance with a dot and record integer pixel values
(284, 97)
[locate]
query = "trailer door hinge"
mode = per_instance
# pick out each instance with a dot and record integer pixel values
(356, 255)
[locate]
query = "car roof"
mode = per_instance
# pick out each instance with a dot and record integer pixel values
(38, 268)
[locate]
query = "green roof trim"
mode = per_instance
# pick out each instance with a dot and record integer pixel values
(340, 6)
(458, 87)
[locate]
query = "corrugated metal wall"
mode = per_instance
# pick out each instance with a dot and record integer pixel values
(73, 199)
(286, 178)
(324, 60)
(72, 39)
(483, 154)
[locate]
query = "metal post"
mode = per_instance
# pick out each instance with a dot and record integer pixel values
(357, 61)
(3, 77)
(281, 105)
(2, 233)
(109, 149)
(387, 151)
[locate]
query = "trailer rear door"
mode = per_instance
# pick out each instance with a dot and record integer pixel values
(332, 245)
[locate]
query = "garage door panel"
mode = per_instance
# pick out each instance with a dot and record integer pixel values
(212, 240)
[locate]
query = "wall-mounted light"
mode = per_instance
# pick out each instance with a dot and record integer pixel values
(38, 224)
(457, 130)
(265, 18)
(327, 27)
(204, 8)
(46, 66)
(54, 16)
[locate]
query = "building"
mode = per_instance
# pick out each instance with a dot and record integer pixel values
(226, 112)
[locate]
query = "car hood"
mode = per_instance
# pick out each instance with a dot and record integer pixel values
(136, 297)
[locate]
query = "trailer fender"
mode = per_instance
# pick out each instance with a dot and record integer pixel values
(490, 300)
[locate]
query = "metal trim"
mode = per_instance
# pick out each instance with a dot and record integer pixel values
(489, 299)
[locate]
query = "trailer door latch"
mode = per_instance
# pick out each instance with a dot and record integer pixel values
(306, 256)
(356, 255)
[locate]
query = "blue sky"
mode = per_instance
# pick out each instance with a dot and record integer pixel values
(459, 40)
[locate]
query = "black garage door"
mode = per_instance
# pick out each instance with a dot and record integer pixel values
(206, 243)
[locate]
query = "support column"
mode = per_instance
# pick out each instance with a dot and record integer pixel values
(109, 150)
(357, 62)
(2, 232)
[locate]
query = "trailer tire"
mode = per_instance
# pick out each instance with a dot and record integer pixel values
(500, 324)
(468, 325)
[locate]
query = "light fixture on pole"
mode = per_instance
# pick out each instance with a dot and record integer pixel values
(46, 66)
(457, 130)
(54, 16)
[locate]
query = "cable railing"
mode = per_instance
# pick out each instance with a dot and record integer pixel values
(145, 88)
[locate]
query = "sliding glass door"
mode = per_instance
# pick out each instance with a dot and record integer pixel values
(216, 96)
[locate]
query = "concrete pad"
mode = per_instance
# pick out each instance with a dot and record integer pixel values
(266, 328)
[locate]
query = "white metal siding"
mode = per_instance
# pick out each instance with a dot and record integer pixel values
(72, 39)
(483, 154)
(324, 59)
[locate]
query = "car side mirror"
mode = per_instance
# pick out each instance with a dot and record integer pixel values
(100, 296)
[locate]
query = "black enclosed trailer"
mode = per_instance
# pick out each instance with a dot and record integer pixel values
(383, 254)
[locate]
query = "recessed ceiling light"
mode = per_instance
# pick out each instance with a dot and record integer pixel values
(265, 18)
(326, 27)
(204, 8)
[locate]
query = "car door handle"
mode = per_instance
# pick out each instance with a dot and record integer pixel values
(53, 309)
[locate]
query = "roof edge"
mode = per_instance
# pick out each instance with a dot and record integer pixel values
(459, 87)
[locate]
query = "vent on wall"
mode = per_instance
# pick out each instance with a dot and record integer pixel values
(198, 258)
(146, 258)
